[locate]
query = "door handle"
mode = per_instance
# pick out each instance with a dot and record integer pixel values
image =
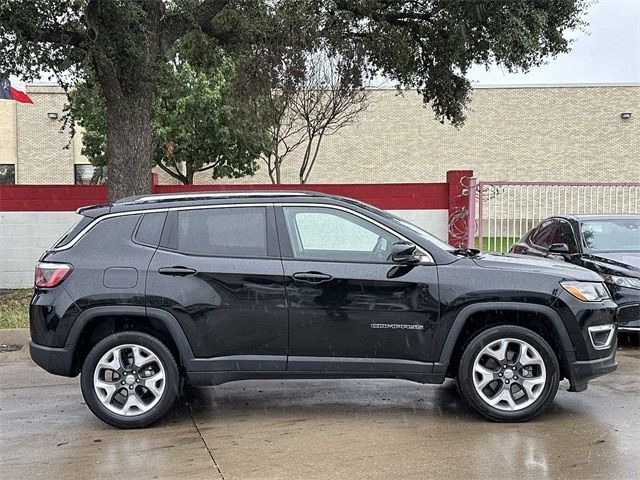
(177, 271)
(312, 277)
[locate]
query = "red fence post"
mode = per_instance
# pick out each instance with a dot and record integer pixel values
(458, 181)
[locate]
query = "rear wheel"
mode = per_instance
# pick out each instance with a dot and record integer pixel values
(130, 380)
(508, 374)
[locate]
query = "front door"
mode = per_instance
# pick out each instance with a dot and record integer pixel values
(218, 271)
(350, 307)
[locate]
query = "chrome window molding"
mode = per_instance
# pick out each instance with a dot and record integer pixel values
(426, 258)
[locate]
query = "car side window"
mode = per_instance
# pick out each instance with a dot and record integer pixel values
(564, 234)
(320, 233)
(543, 235)
(150, 228)
(226, 232)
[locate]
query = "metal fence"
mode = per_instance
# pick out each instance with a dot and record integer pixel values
(504, 211)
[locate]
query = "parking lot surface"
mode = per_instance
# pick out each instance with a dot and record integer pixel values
(330, 429)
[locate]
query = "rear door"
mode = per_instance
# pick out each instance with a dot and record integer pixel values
(350, 307)
(218, 271)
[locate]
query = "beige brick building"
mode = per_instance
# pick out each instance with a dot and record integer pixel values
(542, 133)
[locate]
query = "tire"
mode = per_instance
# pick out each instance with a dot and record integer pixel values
(517, 393)
(110, 376)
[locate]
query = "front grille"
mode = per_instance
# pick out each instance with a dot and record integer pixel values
(629, 313)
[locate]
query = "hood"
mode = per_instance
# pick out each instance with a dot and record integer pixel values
(615, 262)
(529, 264)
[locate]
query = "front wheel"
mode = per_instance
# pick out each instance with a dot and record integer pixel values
(508, 374)
(130, 380)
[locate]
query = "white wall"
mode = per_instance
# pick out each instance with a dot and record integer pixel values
(24, 236)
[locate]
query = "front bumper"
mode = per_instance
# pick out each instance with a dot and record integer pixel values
(58, 361)
(581, 372)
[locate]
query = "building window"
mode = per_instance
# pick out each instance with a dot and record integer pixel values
(7, 174)
(90, 175)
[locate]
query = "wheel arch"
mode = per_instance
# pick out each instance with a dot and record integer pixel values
(97, 322)
(552, 329)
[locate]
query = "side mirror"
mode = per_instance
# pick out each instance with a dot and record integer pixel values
(559, 248)
(404, 252)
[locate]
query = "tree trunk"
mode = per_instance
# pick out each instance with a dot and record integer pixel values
(130, 144)
(189, 175)
(278, 176)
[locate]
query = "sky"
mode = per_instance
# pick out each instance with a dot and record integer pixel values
(607, 52)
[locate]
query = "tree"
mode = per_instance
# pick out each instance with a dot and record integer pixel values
(330, 99)
(197, 125)
(325, 97)
(428, 45)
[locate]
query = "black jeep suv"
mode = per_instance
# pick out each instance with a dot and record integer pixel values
(209, 288)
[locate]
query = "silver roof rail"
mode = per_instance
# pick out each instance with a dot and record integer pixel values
(187, 195)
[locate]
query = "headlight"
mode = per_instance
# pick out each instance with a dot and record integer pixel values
(628, 282)
(587, 291)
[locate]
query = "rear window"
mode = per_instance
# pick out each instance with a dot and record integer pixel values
(150, 228)
(73, 232)
(228, 232)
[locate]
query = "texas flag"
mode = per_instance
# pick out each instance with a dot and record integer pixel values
(7, 92)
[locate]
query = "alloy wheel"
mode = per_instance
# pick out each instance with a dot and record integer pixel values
(129, 380)
(509, 374)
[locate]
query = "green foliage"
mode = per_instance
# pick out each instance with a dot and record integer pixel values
(14, 308)
(198, 126)
(87, 108)
(122, 47)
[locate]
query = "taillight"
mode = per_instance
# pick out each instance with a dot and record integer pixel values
(51, 274)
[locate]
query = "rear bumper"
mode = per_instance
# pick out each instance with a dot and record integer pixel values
(581, 372)
(58, 361)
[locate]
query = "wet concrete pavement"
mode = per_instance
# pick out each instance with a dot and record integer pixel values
(347, 429)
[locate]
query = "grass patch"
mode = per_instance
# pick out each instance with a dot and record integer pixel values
(14, 308)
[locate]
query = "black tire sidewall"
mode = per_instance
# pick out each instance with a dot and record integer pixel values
(484, 338)
(172, 380)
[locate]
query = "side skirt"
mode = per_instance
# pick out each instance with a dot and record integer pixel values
(216, 371)
(218, 378)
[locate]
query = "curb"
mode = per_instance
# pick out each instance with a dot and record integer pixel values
(14, 337)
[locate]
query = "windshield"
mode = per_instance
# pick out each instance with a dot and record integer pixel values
(414, 228)
(611, 235)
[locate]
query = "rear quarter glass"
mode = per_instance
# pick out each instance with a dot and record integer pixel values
(149, 229)
(73, 232)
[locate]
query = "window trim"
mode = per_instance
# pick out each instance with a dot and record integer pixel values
(279, 251)
(287, 250)
(573, 231)
(148, 210)
(171, 221)
(292, 221)
(135, 231)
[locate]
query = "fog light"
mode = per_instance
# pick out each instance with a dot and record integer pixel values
(602, 335)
